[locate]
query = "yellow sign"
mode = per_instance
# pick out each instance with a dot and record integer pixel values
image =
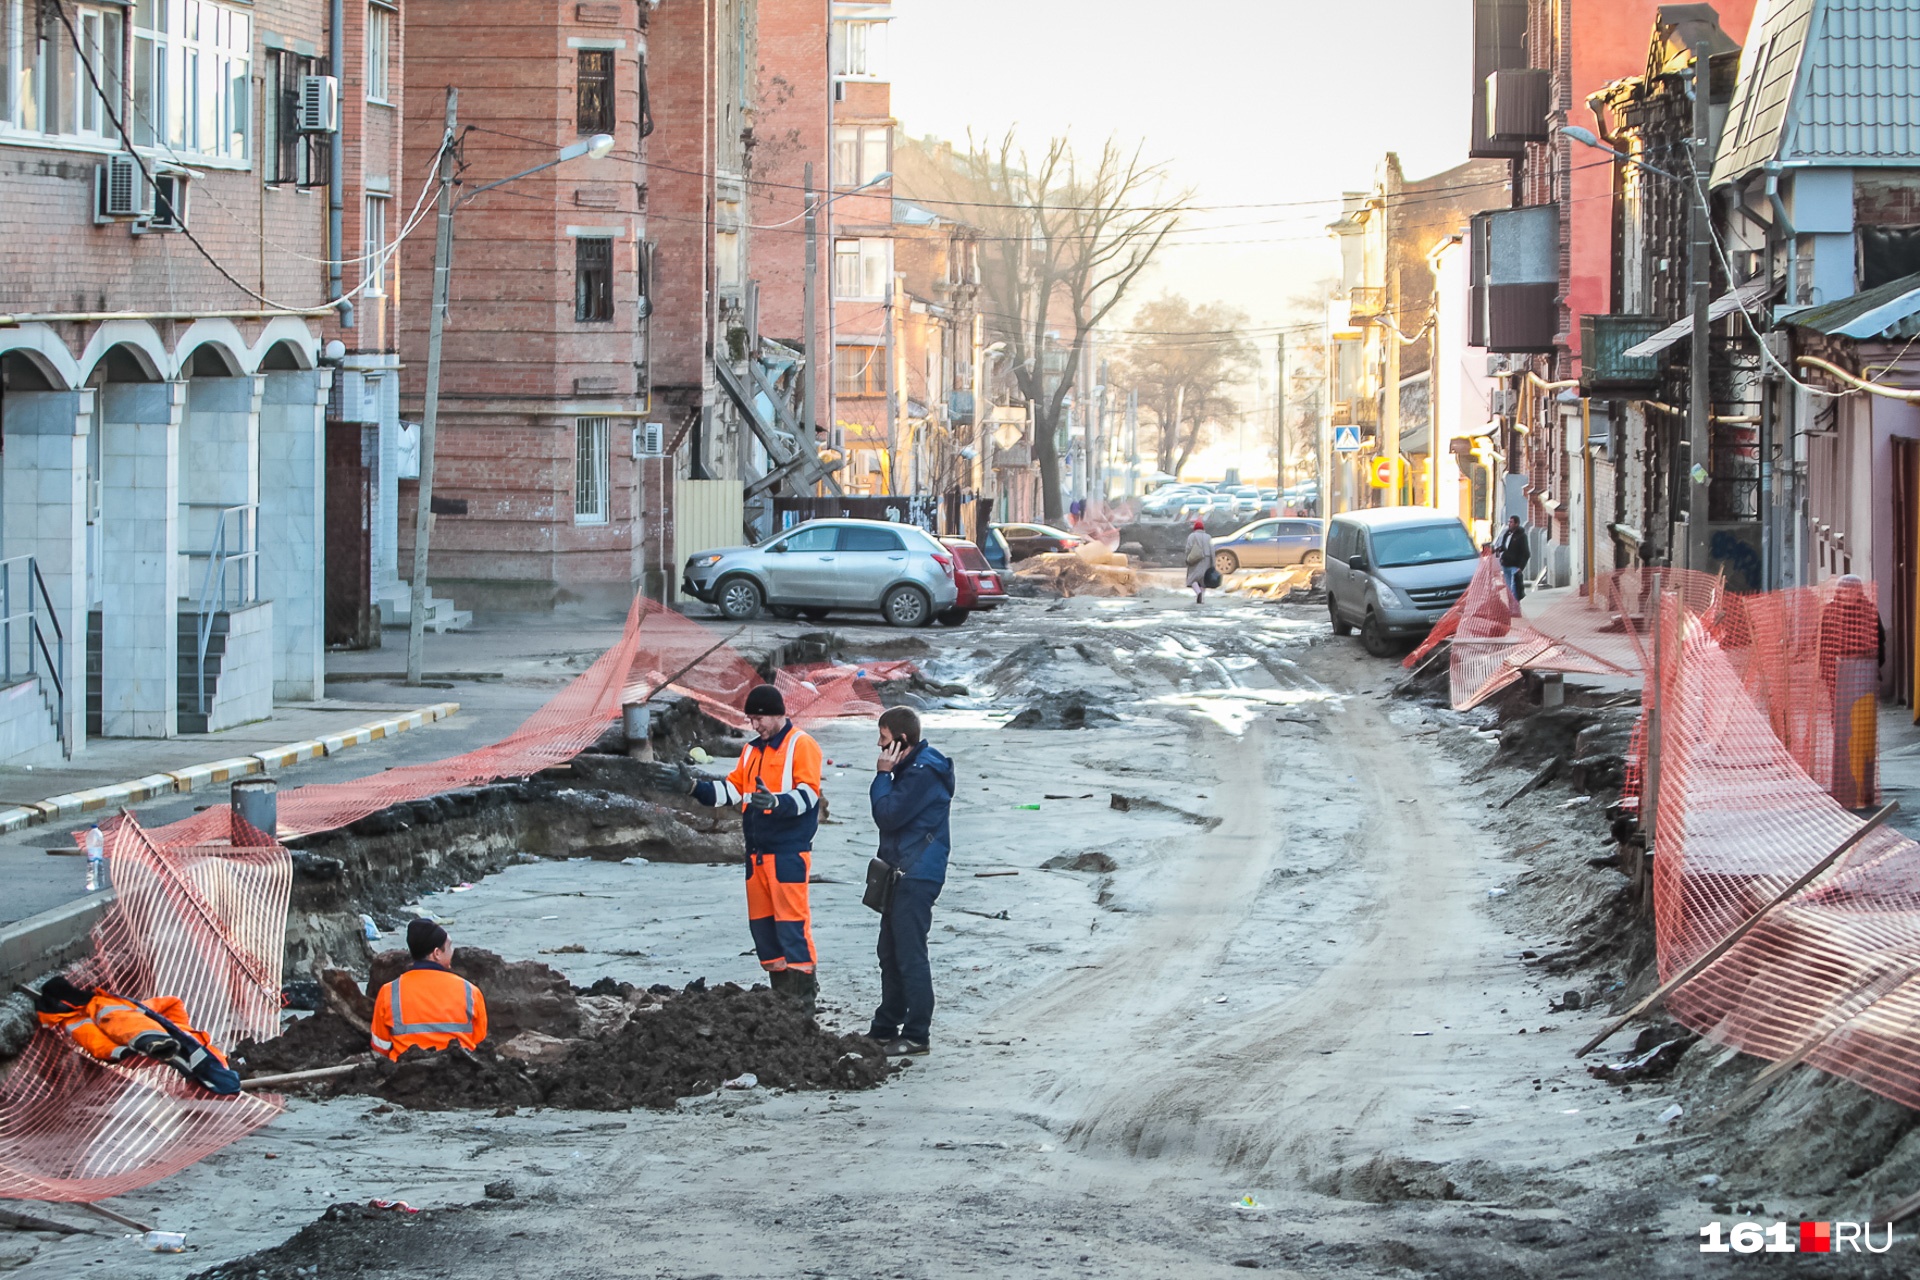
(1382, 472)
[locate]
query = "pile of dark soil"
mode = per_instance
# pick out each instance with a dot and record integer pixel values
(356, 1240)
(682, 1046)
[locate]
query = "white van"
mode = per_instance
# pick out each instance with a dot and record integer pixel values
(1393, 571)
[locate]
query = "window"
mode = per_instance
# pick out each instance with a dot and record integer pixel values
(859, 371)
(861, 268)
(818, 537)
(859, 49)
(593, 278)
(859, 154)
(591, 476)
(192, 63)
(379, 48)
(47, 78)
(289, 155)
(594, 106)
(855, 537)
(373, 243)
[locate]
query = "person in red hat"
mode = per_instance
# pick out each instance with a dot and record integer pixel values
(1199, 559)
(777, 788)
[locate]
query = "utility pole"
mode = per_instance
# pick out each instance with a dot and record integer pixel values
(1280, 417)
(430, 419)
(1700, 277)
(808, 417)
(1133, 441)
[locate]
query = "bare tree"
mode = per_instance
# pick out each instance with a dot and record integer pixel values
(1063, 240)
(1182, 362)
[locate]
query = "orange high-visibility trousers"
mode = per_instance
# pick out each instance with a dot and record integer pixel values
(777, 911)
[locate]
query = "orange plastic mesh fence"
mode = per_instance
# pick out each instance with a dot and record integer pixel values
(205, 923)
(1831, 972)
(202, 917)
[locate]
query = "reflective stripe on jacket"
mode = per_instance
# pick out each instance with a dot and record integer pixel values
(788, 766)
(428, 1007)
(110, 1024)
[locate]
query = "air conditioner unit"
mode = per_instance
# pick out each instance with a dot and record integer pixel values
(319, 104)
(1499, 366)
(169, 203)
(1503, 402)
(650, 440)
(121, 189)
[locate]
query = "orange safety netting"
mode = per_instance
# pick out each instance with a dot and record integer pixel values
(660, 651)
(203, 918)
(202, 922)
(1829, 975)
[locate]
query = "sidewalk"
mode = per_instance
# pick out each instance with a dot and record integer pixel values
(506, 667)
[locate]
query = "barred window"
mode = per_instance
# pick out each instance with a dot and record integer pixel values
(591, 473)
(595, 104)
(593, 278)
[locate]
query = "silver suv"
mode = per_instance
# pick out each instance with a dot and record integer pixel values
(824, 565)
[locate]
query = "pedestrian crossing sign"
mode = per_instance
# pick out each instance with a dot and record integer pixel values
(1346, 439)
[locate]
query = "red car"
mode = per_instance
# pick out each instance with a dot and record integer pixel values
(978, 582)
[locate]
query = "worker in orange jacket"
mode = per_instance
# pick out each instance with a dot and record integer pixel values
(112, 1028)
(777, 787)
(428, 1006)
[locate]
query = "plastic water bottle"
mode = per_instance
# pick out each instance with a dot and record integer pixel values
(96, 860)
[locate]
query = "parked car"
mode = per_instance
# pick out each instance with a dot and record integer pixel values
(1269, 544)
(1393, 571)
(979, 585)
(994, 548)
(1024, 540)
(899, 570)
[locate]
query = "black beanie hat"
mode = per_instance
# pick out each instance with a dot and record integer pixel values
(424, 937)
(765, 700)
(57, 995)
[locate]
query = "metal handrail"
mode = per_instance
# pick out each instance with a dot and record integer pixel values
(53, 656)
(246, 517)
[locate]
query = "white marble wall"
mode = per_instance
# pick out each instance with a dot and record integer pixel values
(26, 725)
(219, 464)
(292, 490)
(139, 558)
(43, 475)
(245, 693)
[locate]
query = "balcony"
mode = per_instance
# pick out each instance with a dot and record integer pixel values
(1366, 302)
(1604, 369)
(1366, 411)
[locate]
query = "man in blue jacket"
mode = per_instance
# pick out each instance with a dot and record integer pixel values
(912, 793)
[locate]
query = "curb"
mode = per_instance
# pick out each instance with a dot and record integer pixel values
(193, 777)
(52, 939)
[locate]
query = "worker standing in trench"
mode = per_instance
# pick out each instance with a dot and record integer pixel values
(428, 1006)
(777, 786)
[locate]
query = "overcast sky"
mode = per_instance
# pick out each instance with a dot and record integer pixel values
(1262, 102)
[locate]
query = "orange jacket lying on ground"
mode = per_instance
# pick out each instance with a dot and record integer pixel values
(428, 1007)
(108, 1025)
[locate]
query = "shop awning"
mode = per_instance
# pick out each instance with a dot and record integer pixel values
(1746, 296)
(1883, 312)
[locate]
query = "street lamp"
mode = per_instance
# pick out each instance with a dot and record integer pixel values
(594, 147)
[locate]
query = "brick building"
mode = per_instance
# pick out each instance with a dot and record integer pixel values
(603, 309)
(164, 297)
(865, 399)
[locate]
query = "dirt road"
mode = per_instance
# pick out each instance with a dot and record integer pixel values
(1287, 1032)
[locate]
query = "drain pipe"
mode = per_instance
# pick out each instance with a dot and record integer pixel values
(337, 163)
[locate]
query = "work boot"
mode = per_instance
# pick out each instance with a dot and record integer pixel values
(905, 1048)
(156, 1044)
(795, 985)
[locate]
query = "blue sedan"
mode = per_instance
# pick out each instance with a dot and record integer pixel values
(1271, 544)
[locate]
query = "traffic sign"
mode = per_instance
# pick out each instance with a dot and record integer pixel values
(1382, 472)
(1346, 439)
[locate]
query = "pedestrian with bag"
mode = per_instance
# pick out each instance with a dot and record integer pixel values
(912, 794)
(1201, 573)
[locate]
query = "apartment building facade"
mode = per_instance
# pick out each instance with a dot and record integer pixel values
(165, 301)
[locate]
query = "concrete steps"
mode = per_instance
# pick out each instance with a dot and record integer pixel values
(396, 610)
(191, 718)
